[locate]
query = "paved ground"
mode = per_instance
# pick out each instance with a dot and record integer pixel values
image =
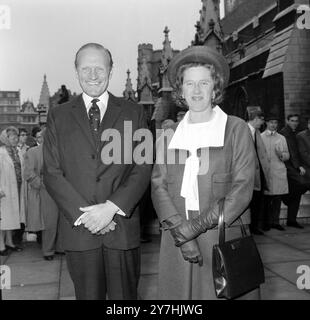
(33, 278)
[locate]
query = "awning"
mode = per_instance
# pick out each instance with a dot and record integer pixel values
(278, 50)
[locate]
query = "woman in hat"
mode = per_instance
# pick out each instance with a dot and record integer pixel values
(214, 159)
(12, 210)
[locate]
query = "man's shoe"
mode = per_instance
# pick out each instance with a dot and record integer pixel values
(61, 253)
(277, 226)
(294, 224)
(4, 252)
(49, 258)
(15, 248)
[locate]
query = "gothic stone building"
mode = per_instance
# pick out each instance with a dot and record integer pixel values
(269, 57)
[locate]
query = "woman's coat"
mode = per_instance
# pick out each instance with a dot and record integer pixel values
(12, 206)
(230, 174)
(42, 211)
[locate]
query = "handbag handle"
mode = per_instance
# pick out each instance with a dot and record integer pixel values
(221, 224)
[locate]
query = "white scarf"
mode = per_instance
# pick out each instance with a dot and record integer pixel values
(192, 136)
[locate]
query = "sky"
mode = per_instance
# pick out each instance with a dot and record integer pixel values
(44, 36)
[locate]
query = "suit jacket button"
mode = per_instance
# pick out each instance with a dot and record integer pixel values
(97, 179)
(93, 156)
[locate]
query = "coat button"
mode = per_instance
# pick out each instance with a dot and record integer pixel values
(97, 179)
(93, 156)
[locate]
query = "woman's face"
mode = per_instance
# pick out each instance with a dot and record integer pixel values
(13, 139)
(197, 88)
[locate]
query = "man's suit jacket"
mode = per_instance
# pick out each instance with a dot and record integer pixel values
(262, 171)
(294, 162)
(75, 175)
(303, 140)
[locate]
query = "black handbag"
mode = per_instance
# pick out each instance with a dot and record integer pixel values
(236, 264)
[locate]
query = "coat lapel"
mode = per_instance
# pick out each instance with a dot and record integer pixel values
(111, 115)
(80, 115)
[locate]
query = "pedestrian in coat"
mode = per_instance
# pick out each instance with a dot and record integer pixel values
(261, 181)
(295, 172)
(207, 157)
(97, 196)
(42, 211)
(303, 140)
(22, 148)
(12, 210)
(277, 153)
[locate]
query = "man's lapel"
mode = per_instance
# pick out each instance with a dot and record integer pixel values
(80, 115)
(111, 115)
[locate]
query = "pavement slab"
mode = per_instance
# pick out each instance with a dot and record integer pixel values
(288, 270)
(148, 287)
(278, 252)
(43, 291)
(38, 272)
(277, 288)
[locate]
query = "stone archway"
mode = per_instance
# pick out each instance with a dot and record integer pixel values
(240, 102)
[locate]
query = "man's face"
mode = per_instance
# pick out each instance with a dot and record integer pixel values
(23, 137)
(39, 137)
(258, 122)
(272, 125)
(93, 71)
(293, 123)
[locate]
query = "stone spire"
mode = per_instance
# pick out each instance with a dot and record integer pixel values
(43, 104)
(129, 93)
(209, 30)
(167, 54)
(144, 74)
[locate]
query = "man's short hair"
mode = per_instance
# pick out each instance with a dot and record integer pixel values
(254, 112)
(291, 115)
(35, 130)
(21, 130)
(94, 46)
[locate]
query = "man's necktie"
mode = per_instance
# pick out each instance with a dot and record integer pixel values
(94, 116)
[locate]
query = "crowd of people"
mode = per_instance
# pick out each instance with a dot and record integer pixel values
(56, 183)
(282, 170)
(26, 209)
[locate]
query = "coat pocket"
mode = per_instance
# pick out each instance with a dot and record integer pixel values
(221, 184)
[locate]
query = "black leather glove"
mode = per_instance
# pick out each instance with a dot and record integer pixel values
(191, 252)
(183, 230)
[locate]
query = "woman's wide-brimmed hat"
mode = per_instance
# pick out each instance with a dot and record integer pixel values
(198, 54)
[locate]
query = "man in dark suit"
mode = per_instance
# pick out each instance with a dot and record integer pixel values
(261, 180)
(295, 171)
(99, 225)
(303, 140)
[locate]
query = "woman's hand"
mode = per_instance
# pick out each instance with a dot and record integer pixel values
(191, 252)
